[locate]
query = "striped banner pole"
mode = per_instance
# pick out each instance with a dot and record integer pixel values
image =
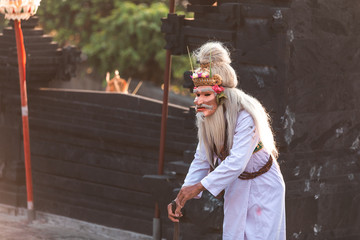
(24, 113)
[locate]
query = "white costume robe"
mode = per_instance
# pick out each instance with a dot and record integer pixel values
(255, 208)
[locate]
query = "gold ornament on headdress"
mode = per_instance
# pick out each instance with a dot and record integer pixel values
(203, 78)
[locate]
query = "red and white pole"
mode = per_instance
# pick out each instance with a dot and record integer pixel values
(24, 113)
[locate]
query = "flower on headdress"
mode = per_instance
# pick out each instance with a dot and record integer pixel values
(217, 89)
(220, 94)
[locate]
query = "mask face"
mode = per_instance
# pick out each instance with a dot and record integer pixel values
(205, 100)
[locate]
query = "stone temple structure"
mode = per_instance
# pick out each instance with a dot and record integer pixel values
(90, 150)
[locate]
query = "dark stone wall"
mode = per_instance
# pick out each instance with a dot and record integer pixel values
(301, 59)
(89, 153)
(321, 129)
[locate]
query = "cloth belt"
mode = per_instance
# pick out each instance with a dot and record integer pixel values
(264, 169)
(252, 175)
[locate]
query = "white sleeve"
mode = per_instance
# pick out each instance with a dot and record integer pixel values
(199, 168)
(245, 140)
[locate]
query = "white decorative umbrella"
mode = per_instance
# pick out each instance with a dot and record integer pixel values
(18, 10)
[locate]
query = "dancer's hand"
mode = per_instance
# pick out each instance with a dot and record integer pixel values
(186, 193)
(171, 212)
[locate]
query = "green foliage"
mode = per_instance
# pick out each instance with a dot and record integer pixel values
(73, 21)
(129, 39)
(3, 23)
(114, 34)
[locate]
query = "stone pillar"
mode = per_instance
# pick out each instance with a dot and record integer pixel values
(321, 121)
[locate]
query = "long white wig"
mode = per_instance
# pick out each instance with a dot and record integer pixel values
(211, 130)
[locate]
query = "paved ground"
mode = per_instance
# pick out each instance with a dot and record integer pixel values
(14, 225)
